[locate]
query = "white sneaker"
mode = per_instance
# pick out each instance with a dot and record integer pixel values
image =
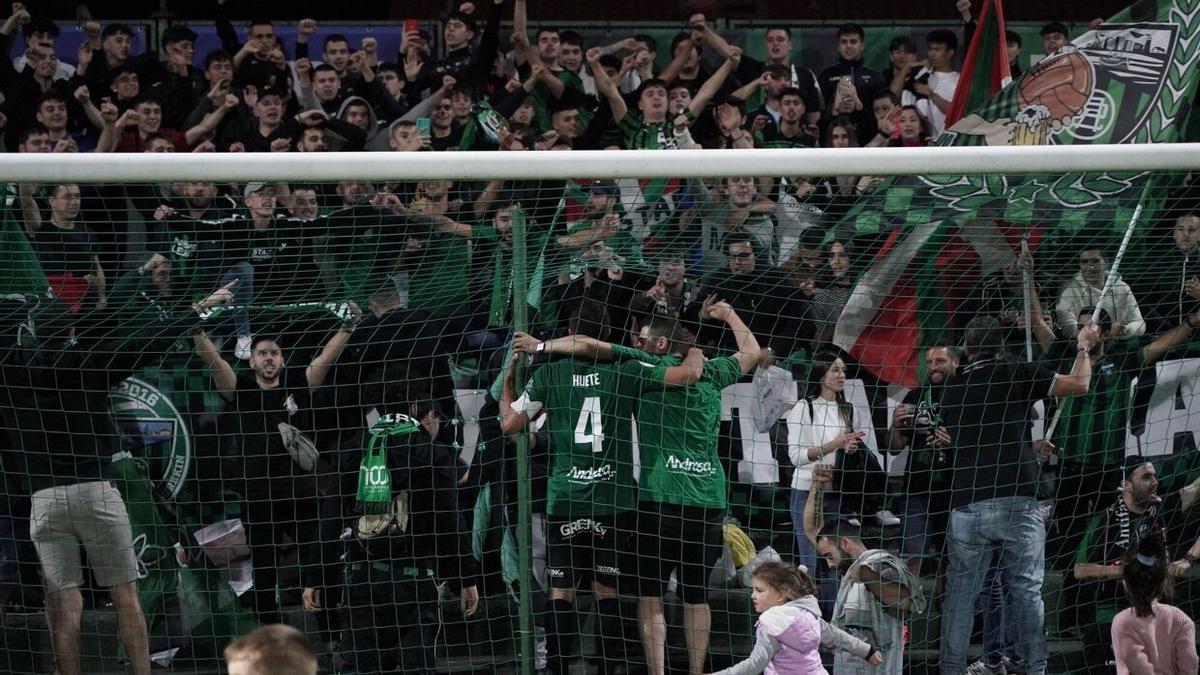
(242, 349)
(853, 520)
(980, 667)
(887, 518)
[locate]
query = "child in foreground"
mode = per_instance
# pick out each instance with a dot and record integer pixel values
(1151, 636)
(791, 631)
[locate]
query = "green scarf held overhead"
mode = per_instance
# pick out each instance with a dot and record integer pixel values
(374, 475)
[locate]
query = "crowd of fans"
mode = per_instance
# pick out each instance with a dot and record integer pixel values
(422, 277)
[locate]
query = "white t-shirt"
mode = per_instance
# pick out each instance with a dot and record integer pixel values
(942, 84)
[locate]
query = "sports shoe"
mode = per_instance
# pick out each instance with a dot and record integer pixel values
(981, 667)
(242, 349)
(887, 518)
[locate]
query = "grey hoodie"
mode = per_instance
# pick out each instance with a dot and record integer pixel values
(337, 142)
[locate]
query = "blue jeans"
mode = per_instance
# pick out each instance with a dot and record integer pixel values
(999, 630)
(1014, 527)
(825, 579)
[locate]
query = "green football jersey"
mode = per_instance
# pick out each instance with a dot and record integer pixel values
(589, 407)
(678, 431)
(1092, 431)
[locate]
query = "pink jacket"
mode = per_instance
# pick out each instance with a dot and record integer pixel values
(1163, 644)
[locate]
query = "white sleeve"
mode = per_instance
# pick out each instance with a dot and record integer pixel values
(530, 408)
(797, 422)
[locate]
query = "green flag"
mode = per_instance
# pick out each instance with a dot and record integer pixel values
(1130, 80)
(19, 268)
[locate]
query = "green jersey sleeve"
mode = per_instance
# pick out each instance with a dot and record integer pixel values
(723, 371)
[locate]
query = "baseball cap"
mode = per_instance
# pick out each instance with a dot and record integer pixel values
(1133, 463)
(603, 187)
(255, 186)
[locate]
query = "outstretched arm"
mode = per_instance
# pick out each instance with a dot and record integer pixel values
(748, 354)
(605, 86)
(1171, 339)
(586, 348)
(319, 369)
(223, 376)
(713, 84)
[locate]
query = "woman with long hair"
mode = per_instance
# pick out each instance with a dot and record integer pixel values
(820, 425)
(1150, 636)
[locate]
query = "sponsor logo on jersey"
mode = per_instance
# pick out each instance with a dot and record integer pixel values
(574, 527)
(609, 569)
(690, 466)
(591, 475)
(154, 431)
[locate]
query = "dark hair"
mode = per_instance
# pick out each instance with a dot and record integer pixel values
(785, 29)
(840, 528)
(548, 29)
(648, 40)
(926, 126)
(590, 318)
(260, 21)
(266, 337)
(943, 37)
(851, 29)
(299, 137)
(324, 67)
(116, 29)
(214, 56)
(570, 37)
(679, 38)
(610, 61)
(821, 363)
(51, 95)
(665, 327)
(888, 94)
(791, 91)
(1145, 575)
(1055, 27)
(845, 123)
(777, 70)
(1011, 36)
(146, 98)
(902, 41)
(31, 129)
(41, 24)
(649, 84)
(334, 37)
(813, 237)
(787, 579)
(983, 336)
(1131, 464)
(463, 17)
(150, 138)
(1104, 320)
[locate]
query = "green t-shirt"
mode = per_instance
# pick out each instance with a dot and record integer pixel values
(677, 434)
(589, 408)
(1092, 428)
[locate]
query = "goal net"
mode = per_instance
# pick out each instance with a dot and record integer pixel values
(476, 412)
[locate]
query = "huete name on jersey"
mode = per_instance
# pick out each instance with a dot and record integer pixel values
(599, 473)
(588, 380)
(690, 466)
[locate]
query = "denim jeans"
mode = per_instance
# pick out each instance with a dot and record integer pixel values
(1014, 526)
(826, 580)
(999, 629)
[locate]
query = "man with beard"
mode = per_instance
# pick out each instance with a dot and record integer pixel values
(1138, 512)
(791, 130)
(875, 593)
(274, 405)
(762, 295)
(917, 424)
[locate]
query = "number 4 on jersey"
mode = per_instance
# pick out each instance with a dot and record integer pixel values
(588, 428)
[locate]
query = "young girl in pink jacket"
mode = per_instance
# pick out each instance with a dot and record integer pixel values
(791, 631)
(1151, 638)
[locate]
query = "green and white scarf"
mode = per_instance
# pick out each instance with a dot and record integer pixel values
(374, 475)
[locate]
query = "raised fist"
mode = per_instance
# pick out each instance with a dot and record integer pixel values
(306, 28)
(370, 45)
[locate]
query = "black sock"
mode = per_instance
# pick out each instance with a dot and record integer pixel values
(562, 631)
(612, 634)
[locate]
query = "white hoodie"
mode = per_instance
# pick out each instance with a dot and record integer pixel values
(1120, 304)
